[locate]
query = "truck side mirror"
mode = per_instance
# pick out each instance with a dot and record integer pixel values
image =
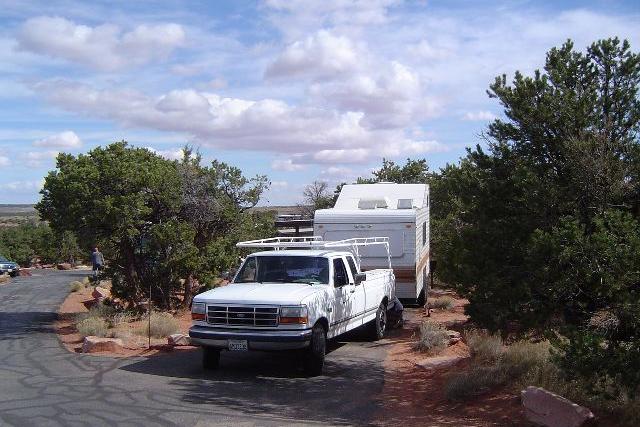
(360, 277)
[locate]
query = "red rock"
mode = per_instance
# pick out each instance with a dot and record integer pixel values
(97, 344)
(99, 294)
(24, 273)
(548, 409)
(439, 361)
(64, 266)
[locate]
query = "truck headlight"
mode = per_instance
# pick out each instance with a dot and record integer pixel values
(198, 311)
(298, 315)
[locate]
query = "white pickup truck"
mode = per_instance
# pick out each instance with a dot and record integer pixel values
(290, 298)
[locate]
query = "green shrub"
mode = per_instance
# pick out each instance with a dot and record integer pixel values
(92, 326)
(76, 286)
(162, 325)
(432, 339)
(441, 303)
(484, 348)
(479, 379)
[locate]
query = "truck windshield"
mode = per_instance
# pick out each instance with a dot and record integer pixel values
(284, 269)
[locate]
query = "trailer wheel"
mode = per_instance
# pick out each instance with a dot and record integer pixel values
(378, 327)
(210, 358)
(314, 355)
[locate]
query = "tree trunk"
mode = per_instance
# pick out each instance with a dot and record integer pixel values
(189, 286)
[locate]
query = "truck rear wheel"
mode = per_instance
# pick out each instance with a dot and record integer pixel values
(378, 326)
(210, 358)
(314, 355)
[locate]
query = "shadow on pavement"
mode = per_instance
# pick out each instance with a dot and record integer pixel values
(273, 384)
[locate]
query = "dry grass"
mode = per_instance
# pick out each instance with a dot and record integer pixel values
(93, 326)
(477, 380)
(162, 325)
(75, 286)
(441, 303)
(432, 339)
(484, 347)
(495, 364)
(4, 278)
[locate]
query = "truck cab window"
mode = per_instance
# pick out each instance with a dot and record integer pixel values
(339, 273)
(352, 266)
(248, 272)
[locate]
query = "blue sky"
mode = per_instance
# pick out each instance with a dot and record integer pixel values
(296, 90)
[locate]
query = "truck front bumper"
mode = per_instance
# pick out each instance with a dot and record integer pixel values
(256, 340)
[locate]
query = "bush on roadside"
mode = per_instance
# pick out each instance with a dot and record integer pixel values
(522, 363)
(162, 325)
(477, 380)
(76, 286)
(441, 303)
(101, 311)
(432, 339)
(484, 347)
(92, 326)
(522, 357)
(4, 278)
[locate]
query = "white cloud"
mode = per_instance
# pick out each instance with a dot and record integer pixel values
(104, 47)
(393, 99)
(479, 116)
(66, 139)
(318, 135)
(285, 165)
(20, 186)
(4, 161)
(297, 17)
(279, 184)
(168, 154)
(38, 158)
(319, 55)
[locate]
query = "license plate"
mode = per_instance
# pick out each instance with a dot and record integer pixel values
(238, 345)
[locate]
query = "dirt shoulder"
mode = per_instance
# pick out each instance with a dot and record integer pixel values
(135, 344)
(414, 395)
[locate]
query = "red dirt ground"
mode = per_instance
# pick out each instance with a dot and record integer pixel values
(413, 395)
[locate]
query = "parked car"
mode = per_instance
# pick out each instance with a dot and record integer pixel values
(293, 299)
(9, 267)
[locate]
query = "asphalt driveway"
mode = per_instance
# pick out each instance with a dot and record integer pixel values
(42, 384)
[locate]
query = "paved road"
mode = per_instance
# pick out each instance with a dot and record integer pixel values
(43, 384)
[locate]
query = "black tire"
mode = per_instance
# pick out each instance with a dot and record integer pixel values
(15, 274)
(378, 327)
(210, 358)
(314, 355)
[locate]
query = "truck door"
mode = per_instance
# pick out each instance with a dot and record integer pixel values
(343, 308)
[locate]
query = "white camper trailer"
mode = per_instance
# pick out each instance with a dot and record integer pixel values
(397, 211)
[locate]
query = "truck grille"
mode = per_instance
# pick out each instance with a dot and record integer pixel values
(242, 315)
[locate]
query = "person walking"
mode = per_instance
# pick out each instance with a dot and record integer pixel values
(98, 262)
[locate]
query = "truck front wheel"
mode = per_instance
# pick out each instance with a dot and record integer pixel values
(314, 355)
(378, 326)
(210, 358)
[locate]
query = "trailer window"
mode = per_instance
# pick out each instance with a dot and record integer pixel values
(424, 233)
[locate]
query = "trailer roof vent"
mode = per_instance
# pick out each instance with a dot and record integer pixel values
(373, 203)
(405, 203)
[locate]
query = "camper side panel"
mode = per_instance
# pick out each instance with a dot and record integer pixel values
(422, 249)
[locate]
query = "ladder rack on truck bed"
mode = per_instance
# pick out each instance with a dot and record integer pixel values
(316, 242)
